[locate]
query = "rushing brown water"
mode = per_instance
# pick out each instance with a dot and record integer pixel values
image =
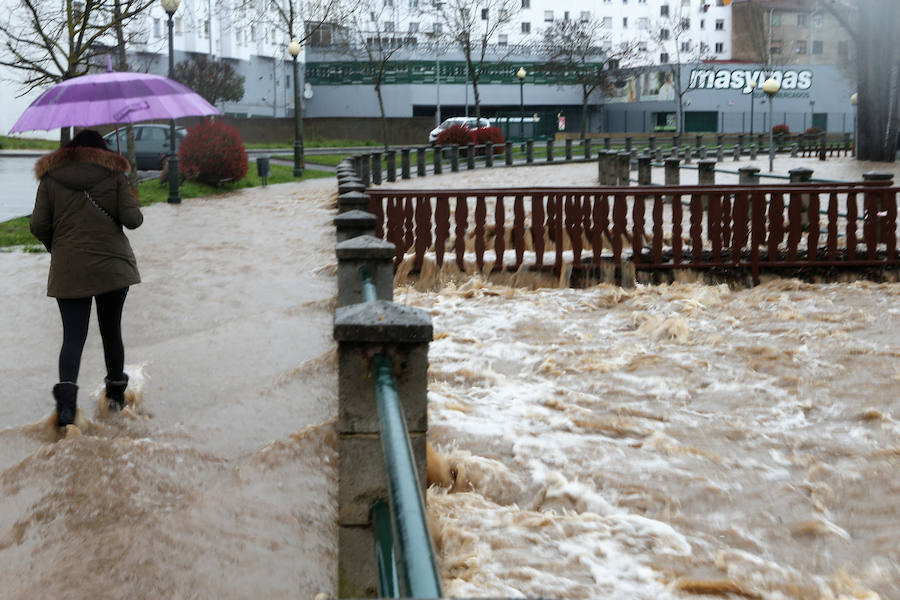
(222, 485)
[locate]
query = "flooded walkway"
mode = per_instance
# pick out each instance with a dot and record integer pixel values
(223, 485)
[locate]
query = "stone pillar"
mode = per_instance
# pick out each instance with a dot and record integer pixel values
(823, 146)
(353, 201)
(644, 170)
(752, 151)
(720, 140)
(568, 149)
(623, 164)
(489, 154)
(365, 166)
(676, 141)
(470, 157)
(737, 153)
(437, 153)
(420, 161)
(673, 171)
(351, 185)
(795, 149)
(403, 334)
(601, 167)
(404, 163)
(720, 153)
(550, 150)
(391, 165)
(354, 223)
(376, 168)
(651, 141)
(748, 176)
(699, 141)
(454, 158)
(885, 179)
(529, 151)
(658, 157)
(688, 152)
(628, 141)
(372, 252)
(701, 152)
(587, 149)
(508, 151)
(706, 172)
(607, 142)
(675, 152)
(740, 142)
(802, 175)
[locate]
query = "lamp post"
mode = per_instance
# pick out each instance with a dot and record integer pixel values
(771, 87)
(521, 73)
(170, 6)
(294, 49)
(853, 100)
(752, 101)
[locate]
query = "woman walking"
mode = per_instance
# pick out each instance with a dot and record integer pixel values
(83, 200)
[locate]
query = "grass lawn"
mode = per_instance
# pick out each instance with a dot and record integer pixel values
(16, 232)
(313, 143)
(15, 143)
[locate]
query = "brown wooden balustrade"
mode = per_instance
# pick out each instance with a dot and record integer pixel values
(694, 227)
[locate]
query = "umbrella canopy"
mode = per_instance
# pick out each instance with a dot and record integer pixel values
(106, 98)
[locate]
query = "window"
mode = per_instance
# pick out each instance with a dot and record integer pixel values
(206, 28)
(414, 3)
(388, 26)
(624, 22)
(526, 3)
(548, 15)
(642, 46)
(389, 3)
(373, 17)
(776, 20)
(817, 20)
(664, 58)
(437, 28)
(685, 24)
(643, 23)
(413, 27)
(177, 25)
(775, 48)
(720, 24)
(157, 28)
(843, 48)
(607, 22)
(817, 47)
(663, 34)
(664, 10)
(566, 16)
(585, 16)
(801, 20)
(702, 23)
(685, 46)
(502, 39)
(704, 47)
(484, 14)
(720, 47)
(252, 33)
(526, 27)
(800, 46)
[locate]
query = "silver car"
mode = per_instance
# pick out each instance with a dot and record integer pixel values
(151, 144)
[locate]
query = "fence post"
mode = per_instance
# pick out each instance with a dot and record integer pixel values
(350, 185)
(720, 140)
(355, 200)
(701, 152)
(550, 150)
(748, 176)
(887, 178)
(699, 141)
(673, 171)
(802, 175)
(489, 154)
(740, 142)
(823, 146)
(568, 149)
(720, 153)
(607, 142)
(752, 151)
(372, 252)
(436, 157)
(644, 171)
(706, 172)
(688, 151)
(403, 333)
(628, 142)
(651, 142)
(354, 223)
(420, 161)
(848, 141)
(391, 165)
(376, 168)
(623, 162)
(658, 155)
(587, 148)
(404, 163)
(676, 141)
(529, 151)
(470, 157)
(508, 151)
(737, 153)
(365, 161)
(454, 158)
(601, 167)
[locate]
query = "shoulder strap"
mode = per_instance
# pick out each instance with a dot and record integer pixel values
(91, 200)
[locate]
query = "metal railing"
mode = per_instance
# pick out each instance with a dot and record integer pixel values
(404, 554)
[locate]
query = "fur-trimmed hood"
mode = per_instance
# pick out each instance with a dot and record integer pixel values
(94, 157)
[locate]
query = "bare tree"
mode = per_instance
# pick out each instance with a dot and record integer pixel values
(48, 42)
(672, 36)
(873, 25)
(378, 34)
(576, 49)
(214, 80)
(474, 26)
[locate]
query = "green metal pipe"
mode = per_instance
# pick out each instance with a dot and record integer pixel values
(388, 586)
(417, 565)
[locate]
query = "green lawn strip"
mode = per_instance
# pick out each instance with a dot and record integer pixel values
(313, 143)
(16, 232)
(15, 143)
(330, 160)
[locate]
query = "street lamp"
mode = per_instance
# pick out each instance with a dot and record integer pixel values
(521, 73)
(771, 87)
(853, 100)
(294, 49)
(170, 6)
(752, 91)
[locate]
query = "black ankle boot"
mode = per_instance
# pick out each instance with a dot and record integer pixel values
(66, 394)
(115, 392)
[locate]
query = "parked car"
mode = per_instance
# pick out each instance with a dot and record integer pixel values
(470, 122)
(151, 144)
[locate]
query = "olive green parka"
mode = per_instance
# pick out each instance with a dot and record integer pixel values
(89, 253)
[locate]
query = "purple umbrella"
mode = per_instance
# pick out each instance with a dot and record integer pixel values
(105, 98)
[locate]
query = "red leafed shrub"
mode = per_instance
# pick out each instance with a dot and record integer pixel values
(814, 131)
(494, 135)
(456, 134)
(781, 129)
(213, 152)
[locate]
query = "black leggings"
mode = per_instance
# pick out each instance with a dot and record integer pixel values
(76, 316)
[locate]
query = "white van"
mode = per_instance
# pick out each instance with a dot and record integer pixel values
(470, 122)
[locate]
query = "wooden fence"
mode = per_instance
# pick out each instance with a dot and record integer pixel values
(835, 225)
